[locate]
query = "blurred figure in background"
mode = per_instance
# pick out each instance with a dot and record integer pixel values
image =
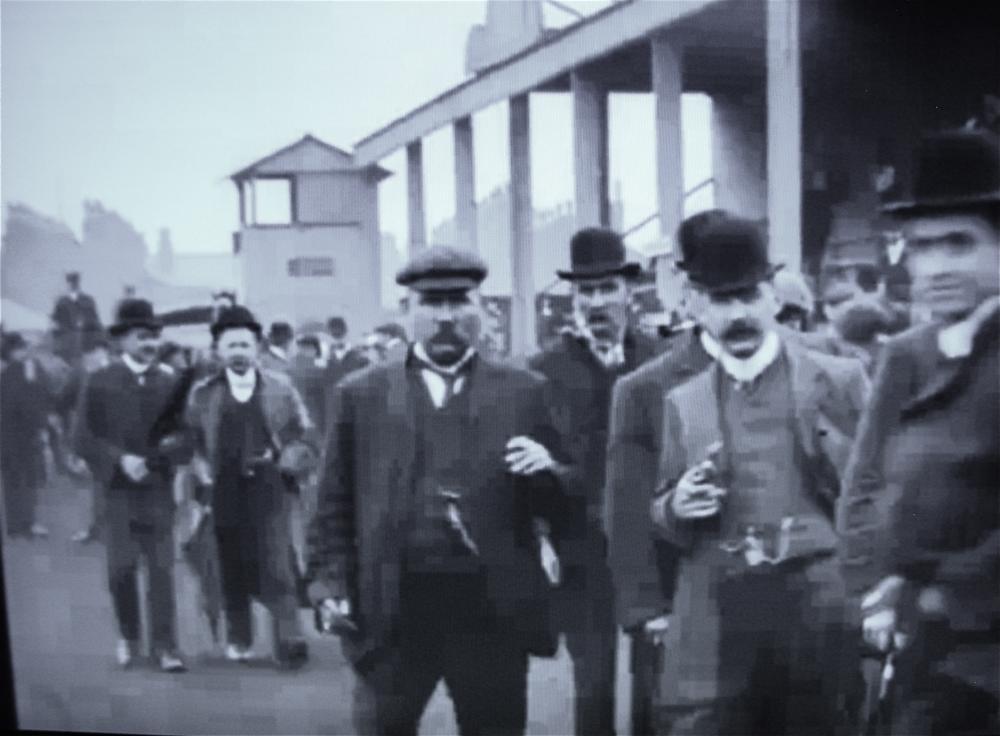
(76, 323)
(392, 340)
(25, 401)
(277, 356)
(795, 299)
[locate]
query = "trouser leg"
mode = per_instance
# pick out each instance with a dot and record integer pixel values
(591, 638)
(123, 557)
(159, 550)
(645, 659)
(487, 678)
(235, 591)
(391, 691)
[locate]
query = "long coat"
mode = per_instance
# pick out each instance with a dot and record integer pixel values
(578, 393)
(24, 408)
(922, 484)
(366, 490)
(828, 395)
(287, 421)
(641, 565)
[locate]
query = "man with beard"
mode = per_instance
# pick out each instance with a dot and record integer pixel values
(920, 513)
(582, 368)
(748, 479)
(247, 422)
(119, 406)
(423, 551)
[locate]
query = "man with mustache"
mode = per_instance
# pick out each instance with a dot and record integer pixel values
(920, 513)
(247, 421)
(119, 406)
(582, 368)
(749, 475)
(424, 551)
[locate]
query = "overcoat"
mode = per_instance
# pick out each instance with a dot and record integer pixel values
(366, 493)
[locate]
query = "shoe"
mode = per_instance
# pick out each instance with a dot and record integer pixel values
(125, 652)
(170, 662)
(37, 530)
(235, 653)
(291, 654)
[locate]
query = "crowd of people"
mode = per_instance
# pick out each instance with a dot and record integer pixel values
(789, 505)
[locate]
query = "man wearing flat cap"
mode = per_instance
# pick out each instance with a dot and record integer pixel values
(752, 448)
(581, 369)
(249, 425)
(118, 409)
(423, 552)
(921, 514)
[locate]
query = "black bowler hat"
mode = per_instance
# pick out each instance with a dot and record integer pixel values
(134, 314)
(595, 252)
(728, 254)
(954, 169)
(234, 318)
(690, 230)
(336, 326)
(443, 268)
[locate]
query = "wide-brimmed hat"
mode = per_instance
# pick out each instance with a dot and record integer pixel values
(954, 169)
(234, 318)
(728, 254)
(595, 252)
(134, 314)
(443, 268)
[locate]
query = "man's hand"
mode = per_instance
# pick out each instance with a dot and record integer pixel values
(696, 496)
(527, 457)
(880, 620)
(134, 467)
(656, 628)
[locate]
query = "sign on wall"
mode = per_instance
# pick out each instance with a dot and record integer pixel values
(305, 267)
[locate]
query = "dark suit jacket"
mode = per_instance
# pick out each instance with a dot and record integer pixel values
(77, 325)
(578, 393)
(24, 408)
(108, 404)
(922, 483)
(366, 490)
(641, 566)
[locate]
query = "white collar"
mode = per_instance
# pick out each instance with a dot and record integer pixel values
(134, 365)
(247, 380)
(611, 356)
(421, 353)
(955, 340)
(278, 351)
(743, 370)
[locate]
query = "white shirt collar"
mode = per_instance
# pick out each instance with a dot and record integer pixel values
(134, 365)
(241, 387)
(743, 370)
(421, 353)
(278, 351)
(955, 341)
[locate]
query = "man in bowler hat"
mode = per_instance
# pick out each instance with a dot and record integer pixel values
(581, 369)
(119, 407)
(424, 555)
(747, 485)
(247, 423)
(921, 513)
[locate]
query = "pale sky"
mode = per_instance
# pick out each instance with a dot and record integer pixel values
(150, 106)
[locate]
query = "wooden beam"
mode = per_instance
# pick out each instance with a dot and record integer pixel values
(522, 303)
(465, 184)
(416, 218)
(784, 133)
(590, 151)
(591, 38)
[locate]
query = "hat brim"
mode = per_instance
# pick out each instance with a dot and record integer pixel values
(443, 283)
(117, 330)
(932, 204)
(628, 270)
(734, 286)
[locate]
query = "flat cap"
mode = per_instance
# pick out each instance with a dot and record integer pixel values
(443, 268)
